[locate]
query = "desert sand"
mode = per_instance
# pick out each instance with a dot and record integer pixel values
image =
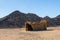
(52, 33)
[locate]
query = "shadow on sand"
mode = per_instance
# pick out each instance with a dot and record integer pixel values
(43, 30)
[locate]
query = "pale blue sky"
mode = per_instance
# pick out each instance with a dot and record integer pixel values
(40, 7)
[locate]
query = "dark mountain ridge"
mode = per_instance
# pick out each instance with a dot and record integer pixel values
(17, 19)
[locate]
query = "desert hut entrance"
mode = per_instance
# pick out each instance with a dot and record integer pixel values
(28, 27)
(36, 26)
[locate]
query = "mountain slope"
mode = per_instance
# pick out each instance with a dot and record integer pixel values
(17, 19)
(53, 21)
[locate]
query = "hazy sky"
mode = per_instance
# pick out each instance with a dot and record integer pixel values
(40, 7)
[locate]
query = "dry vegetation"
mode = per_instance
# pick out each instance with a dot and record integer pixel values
(53, 33)
(36, 26)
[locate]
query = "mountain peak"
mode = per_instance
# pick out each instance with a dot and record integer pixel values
(16, 11)
(58, 16)
(46, 17)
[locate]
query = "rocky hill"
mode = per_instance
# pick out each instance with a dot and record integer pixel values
(17, 19)
(53, 21)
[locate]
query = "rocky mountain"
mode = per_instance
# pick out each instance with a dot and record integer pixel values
(53, 21)
(17, 19)
(57, 20)
(50, 21)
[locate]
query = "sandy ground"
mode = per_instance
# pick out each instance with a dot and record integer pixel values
(53, 33)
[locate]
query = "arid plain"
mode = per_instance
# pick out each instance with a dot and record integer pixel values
(52, 33)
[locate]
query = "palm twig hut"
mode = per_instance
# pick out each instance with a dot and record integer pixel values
(36, 26)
